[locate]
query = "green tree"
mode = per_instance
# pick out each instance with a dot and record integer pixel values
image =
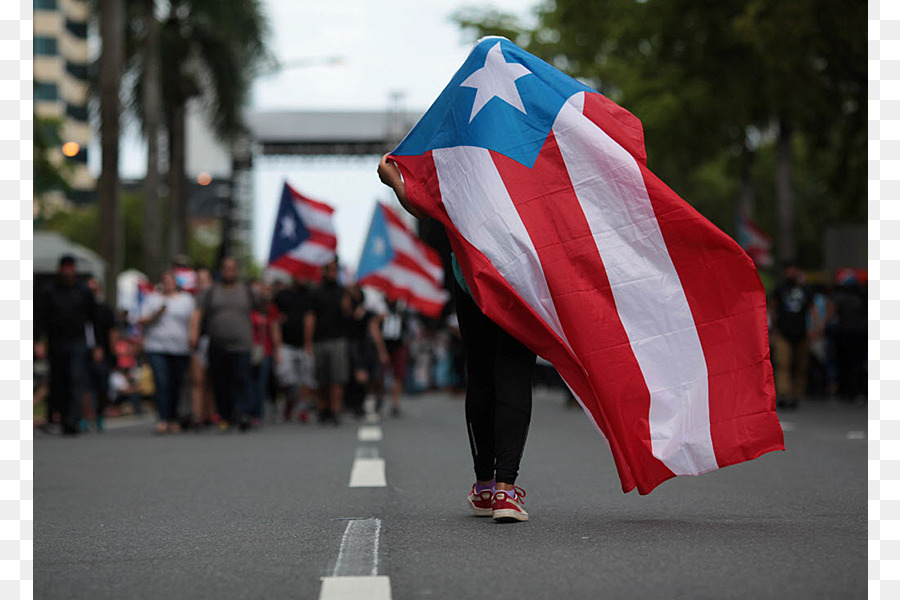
(49, 175)
(82, 225)
(724, 88)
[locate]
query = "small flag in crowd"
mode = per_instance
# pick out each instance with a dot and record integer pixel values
(304, 236)
(655, 318)
(755, 242)
(401, 265)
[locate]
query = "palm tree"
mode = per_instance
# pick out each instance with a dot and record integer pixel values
(111, 64)
(210, 50)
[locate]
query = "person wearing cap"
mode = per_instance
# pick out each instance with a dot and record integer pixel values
(65, 312)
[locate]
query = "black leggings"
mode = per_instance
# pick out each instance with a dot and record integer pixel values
(498, 392)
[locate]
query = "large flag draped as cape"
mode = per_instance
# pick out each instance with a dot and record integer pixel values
(654, 317)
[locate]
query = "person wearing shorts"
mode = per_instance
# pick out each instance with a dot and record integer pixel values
(296, 371)
(325, 339)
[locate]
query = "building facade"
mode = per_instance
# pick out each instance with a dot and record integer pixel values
(61, 63)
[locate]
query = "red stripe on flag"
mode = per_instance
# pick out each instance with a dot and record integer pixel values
(326, 240)
(727, 302)
(424, 306)
(581, 292)
(297, 268)
(314, 204)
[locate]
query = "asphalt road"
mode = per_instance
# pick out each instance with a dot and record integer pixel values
(125, 514)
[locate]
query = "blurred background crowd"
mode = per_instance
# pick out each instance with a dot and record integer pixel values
(209, 349)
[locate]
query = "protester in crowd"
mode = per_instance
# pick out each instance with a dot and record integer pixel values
(791, 304)
(296, 371)
(498, 392)
(266, 347)
(102, 362)
(325, 338)
(849, 330)
(165, 318)
(395, 331)
(64, 312)
(203, 409)
(223, 311)
(368, 353)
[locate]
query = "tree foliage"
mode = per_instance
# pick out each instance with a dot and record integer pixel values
(711, 81)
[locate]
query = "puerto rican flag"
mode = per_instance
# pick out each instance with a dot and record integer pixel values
(655, 318)
(755, 242)
(396, 262)
(304, 237)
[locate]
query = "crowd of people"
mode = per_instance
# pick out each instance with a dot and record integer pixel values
(223, 352)
(818, 335)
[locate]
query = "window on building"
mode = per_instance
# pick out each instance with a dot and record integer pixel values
(45, 46)
(78, 71)
(45, 4)
(77, 29)
(44, 90)
(77, 113)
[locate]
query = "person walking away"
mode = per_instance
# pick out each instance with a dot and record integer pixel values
(498, 392)
(166, 318)
(266, 348)
(296, 371)
(203, 408)
(325, 339)
(368, 353)
(850, 330)
(65, 311)
(791, 303)
(224, 310)
(101, 363)
(394, 330)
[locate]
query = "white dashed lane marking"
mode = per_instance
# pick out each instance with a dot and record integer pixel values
(355, 572)
(368, 468)
(856, 435)
(370, 433)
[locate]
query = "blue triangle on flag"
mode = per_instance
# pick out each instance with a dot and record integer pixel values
(377, 251)
(290, 230)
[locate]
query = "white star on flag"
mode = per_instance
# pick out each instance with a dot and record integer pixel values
(288, 227)
(378, 246)
(497, 78)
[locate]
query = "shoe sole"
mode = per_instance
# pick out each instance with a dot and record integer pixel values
(509, 515)
(480, 512)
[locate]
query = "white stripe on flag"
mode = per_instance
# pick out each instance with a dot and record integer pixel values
(493, 224)
(315, 219)
(413, 282)
(404, 243)
(312, 253)
(641, 274)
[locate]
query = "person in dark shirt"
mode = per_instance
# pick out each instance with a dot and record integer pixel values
(64, 311)
(296, 371)
(849, 321)
(101, 366)
(325, 338)
(791, 302)
(368, 353)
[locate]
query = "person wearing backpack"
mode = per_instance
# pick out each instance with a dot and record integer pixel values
(223, 312)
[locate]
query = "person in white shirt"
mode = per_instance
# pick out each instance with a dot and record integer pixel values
(165, 318)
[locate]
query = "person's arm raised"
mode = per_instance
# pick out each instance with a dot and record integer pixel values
(389, 173)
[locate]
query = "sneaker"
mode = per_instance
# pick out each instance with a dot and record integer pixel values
(481, 503)
(505, 509)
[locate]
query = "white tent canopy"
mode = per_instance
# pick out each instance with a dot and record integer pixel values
(49, 246)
